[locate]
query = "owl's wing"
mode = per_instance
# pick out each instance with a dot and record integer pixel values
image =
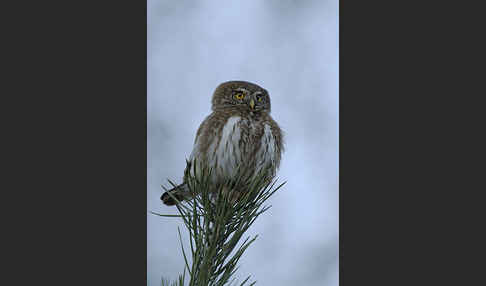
(206, 133)
(277, 139)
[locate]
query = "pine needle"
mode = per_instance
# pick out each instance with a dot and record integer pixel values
(216, 223)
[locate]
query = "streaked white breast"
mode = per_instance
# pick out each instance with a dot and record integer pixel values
(226, 154)
(266, 154)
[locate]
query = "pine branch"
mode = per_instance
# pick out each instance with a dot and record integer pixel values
(216, 222)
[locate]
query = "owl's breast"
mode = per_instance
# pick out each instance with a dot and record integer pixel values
(241, 142)
(222, 151)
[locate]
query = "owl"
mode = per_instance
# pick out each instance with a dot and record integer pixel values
(239, 136)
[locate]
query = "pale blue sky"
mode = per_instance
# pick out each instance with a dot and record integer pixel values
(291, 49)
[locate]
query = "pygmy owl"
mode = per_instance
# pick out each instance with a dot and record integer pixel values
(238, 133)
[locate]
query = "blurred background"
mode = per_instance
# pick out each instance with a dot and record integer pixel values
(291, 49)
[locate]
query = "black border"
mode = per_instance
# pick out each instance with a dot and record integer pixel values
(408, 142)
(78, 144)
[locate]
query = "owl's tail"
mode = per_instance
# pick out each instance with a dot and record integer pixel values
(180, 192)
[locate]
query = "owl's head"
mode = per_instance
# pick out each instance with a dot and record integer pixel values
(241, 95)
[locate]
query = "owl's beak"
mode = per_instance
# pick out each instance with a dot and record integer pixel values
(252, 104)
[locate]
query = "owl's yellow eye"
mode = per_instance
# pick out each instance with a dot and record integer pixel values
(260, 99)
(239, 95)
